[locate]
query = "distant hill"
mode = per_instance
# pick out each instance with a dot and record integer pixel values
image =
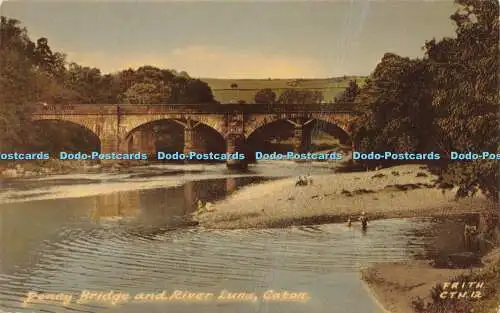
(247, 88)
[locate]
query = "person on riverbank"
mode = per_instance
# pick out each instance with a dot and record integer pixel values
(470, 237)
(301, 181)
(364, 220)
(200, 206)
(309, 179)
(349, 222)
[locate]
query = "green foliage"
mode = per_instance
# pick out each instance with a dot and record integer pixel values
(32, 72)
(446, 102)
(350, 93)
(395, 109)
(265, 96)
(465, 95)
(147, 93)
(16, 53)
(298, 97)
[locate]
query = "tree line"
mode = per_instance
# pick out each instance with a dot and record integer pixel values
(267, 96)
(55, 80)
(31, 72)
(446, 101)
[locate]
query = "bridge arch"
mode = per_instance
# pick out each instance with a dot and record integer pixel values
(71, 135)
(299, 135)
(341, 122)
(130, 122)
(81, 121)
(340, 128)
(174, 135)
(336, 128)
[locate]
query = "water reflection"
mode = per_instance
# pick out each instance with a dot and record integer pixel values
(116, 206)
(26, 226)
(130, 242)
(446, 242)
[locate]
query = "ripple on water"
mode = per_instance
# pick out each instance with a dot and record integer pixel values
(323, 260)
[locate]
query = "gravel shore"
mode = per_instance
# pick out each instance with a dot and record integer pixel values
(401, 191)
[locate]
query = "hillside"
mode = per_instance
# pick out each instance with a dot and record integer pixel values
(247, 88)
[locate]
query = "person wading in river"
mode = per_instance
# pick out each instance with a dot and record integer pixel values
(364, 220)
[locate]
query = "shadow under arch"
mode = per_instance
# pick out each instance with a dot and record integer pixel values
(275, 136)
(169, 135)
(54, 135)
(319, 126)
(278, 136)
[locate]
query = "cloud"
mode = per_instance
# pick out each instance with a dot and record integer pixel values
(209, 61)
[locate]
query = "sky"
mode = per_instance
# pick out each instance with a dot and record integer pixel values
(236, 39)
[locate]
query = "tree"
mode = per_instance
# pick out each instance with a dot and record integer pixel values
(190, 91)
(299, 97)
(350, 93)
(265, 96)
(184, 74)
(465, 95)
(17, 79)
(197, 92)
(147, 93)
(395, 109)
(85, 82)
(181, 88)
(15, 38)
(151, 74)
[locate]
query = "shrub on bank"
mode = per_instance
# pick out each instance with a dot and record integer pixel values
(489, 301)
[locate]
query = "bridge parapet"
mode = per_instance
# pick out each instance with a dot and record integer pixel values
(144, 109)
(75, 109)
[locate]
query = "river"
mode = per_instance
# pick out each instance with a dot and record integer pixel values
(54, 240)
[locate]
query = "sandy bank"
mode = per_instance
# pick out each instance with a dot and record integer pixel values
(401, 191)
(395, 285)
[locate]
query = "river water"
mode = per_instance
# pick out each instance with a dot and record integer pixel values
(131, 242)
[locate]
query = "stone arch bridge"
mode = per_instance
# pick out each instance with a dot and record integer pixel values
(116, 125)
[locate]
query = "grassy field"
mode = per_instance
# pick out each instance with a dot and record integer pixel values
(247, 88)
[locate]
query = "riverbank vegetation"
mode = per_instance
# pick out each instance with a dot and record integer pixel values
(446, 101)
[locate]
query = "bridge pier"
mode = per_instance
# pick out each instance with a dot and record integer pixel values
(191, 140)
(236, 143)
(231, 184)
(142, 141)
(301, 135)
(188, 140)
(134, 144)
(301, 139)
(109, 144)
